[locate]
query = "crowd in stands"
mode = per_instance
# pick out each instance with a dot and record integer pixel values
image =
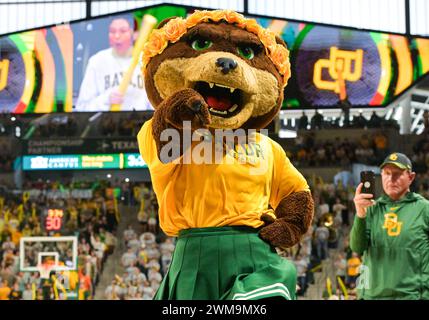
(8, 123)
(420, 156)
(6, 162)
(420, 160)
(94, 220)
(148, 251)
(147, 255)
(64, 125)
(145, 262)
(70, 125)
(326, 237)
(369, 149)
(126, 125)
(318, 121)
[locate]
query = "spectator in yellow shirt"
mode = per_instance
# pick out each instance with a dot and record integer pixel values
(2, 222)
(353, 265)
(26, 231)
(4, 290)
(14, 222)
(16, 236)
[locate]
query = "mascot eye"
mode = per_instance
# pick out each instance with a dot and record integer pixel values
(246, 52)
(201, 44)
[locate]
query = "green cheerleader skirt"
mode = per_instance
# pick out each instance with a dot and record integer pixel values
(227, 263)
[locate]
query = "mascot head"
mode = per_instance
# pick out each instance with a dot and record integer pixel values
(238, 67)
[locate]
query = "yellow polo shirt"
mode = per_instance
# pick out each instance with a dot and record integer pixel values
(251, 178)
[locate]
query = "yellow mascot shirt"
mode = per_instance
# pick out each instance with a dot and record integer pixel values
(252, 177)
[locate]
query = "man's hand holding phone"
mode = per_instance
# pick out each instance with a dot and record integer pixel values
(364, 196)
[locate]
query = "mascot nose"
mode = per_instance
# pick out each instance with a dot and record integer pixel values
(226, 64)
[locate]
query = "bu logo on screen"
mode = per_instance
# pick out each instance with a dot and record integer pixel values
(342, 65)
(392, 225)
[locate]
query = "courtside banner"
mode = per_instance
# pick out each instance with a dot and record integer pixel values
(73, 146)
(83, 161)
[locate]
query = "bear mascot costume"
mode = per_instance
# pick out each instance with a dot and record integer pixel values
(225, 190)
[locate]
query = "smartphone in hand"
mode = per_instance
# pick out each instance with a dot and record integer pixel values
(368, 180)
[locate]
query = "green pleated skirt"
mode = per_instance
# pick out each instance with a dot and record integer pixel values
(231, 263)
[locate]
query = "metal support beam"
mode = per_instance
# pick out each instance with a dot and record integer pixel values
(406, 119)
(246, 6)
(88, 8)
(407, 18)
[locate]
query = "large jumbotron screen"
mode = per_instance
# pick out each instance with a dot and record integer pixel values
(43, 70)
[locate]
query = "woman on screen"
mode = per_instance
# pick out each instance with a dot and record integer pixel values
(99, 88)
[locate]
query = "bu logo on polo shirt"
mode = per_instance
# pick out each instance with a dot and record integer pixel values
(392, 224)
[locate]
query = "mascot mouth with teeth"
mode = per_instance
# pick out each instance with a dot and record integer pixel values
(217, 70)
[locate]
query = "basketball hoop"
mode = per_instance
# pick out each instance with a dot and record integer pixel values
(45, 270)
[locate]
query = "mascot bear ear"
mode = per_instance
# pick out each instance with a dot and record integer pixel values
(163, 22)
(280, 41)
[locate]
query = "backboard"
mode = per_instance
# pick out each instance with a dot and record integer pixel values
(59, 252)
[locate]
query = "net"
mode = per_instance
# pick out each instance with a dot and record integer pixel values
(45, 270)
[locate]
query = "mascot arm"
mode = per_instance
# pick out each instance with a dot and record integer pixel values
(183, 105)
(294, 215)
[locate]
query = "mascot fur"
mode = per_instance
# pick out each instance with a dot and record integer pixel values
(217, 70)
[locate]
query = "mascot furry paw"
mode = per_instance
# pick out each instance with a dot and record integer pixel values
(214, 73)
